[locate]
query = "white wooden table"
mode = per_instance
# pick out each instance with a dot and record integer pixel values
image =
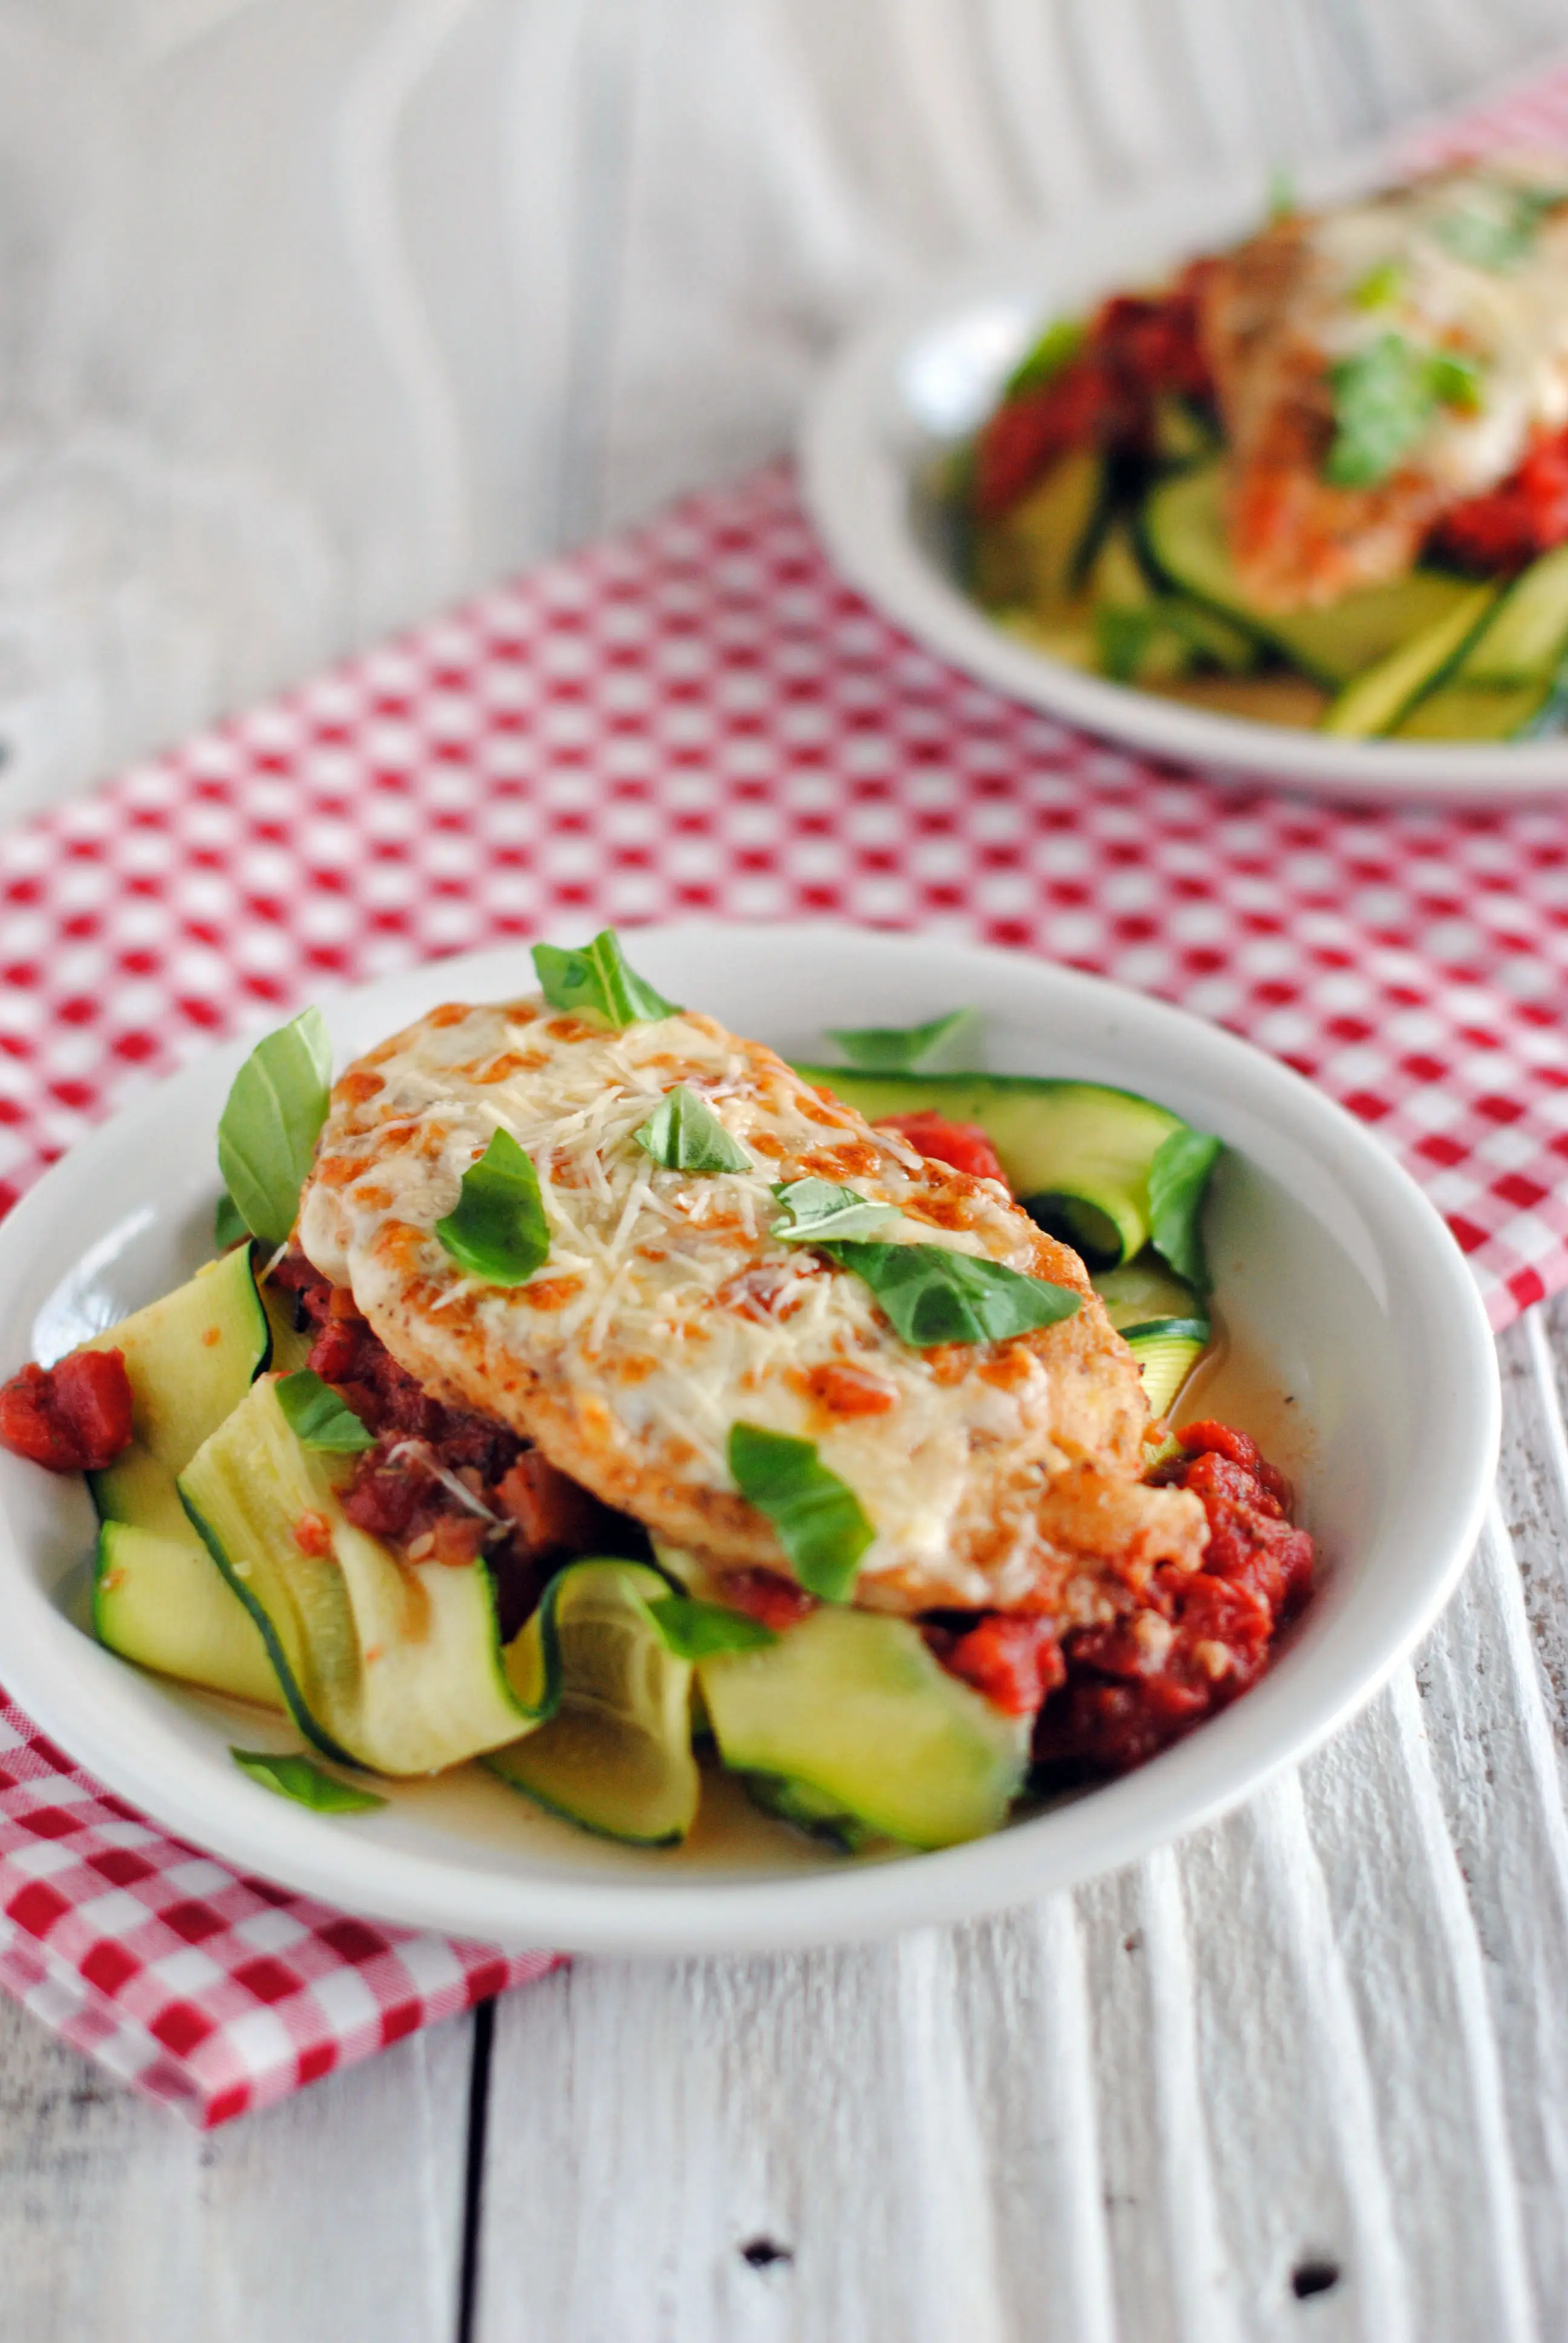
(314, 313)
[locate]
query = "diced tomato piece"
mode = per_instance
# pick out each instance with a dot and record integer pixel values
(1199, 1637)
(70, 1418)
(1216, 1610)
(963, 1146)
(1079, 407)
(1209, 1439)
(1013, 1661)
(554, 1513)
(313, 1534)
(1138, 349)
(1111, 1727)
(335, 1350)
(456, 1539)
(1525, 515)
(767, 1595)
(383, 1499)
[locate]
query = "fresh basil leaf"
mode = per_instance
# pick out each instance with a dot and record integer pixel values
(597, 979)
(684, 1134)
(301, 1780)
(268, 1133)
(1382, 404)
(1056, 349)
(1455, 380)
(931, 1295)
(1379, 286)
(1178, 1182)
(895, 1049)
(228, 1228)
(815, 1210)
(819, 1518)
(497, 1228)
(318, 1418)
(1497, 227)
(1384, 397)
(695, 1630)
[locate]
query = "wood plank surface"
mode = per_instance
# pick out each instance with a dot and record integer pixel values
(317, 313)
(336, 2215)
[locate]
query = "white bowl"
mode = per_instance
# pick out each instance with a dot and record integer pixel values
(1348, 1309)
(920, 379)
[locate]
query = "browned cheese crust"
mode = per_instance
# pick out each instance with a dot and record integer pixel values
(1296, 539)
(1002, 1473)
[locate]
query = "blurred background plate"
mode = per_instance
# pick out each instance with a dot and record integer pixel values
(915, 383)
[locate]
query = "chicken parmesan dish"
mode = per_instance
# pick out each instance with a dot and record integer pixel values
(582, 1389)
(1319, 479)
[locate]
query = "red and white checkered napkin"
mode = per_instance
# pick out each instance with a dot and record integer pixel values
(700, 720)
(213, 1993)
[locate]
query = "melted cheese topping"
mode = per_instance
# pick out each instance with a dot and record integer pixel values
(666, 1309)
(1398, 263)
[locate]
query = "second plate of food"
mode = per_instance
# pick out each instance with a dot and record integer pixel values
(933, 1615)
(1296, 517)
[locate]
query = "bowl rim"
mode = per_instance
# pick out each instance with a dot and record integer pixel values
(857, 484)
(68, 1684)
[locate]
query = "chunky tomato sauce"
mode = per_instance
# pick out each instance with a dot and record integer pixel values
(1108, 1697)
(1138, 349)
(515, 1508)
(1016, 1662)
(1141, 348)
(1199, 1637)
(962, 1146)
(72, 1418)
(448, 1485)
(1507, 527)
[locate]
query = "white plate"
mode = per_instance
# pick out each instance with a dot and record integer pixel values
(922, 377)
(1339, 1284)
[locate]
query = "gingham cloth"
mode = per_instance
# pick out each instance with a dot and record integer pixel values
(210, 1991)
(699, 719)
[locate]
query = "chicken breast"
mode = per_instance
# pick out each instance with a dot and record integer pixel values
(1468, 264)
(999, 1475)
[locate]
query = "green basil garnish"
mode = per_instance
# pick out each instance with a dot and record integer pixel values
(1498, 235)
(497, 1228)
(684, 1134)
(895, 1049)
(268, 1133)
(695, 1630)
(228, 1228)
(1056, 348)
(1384, 399)
(301, 1780)
(1455, 381)
(931, 1295)
(816, 1211)
(596, 980)
(1178, 1182)
(1379, 286)
(819, 1518)
(318, 1418)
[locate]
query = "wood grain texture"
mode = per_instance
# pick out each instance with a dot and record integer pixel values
(334, 2216)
